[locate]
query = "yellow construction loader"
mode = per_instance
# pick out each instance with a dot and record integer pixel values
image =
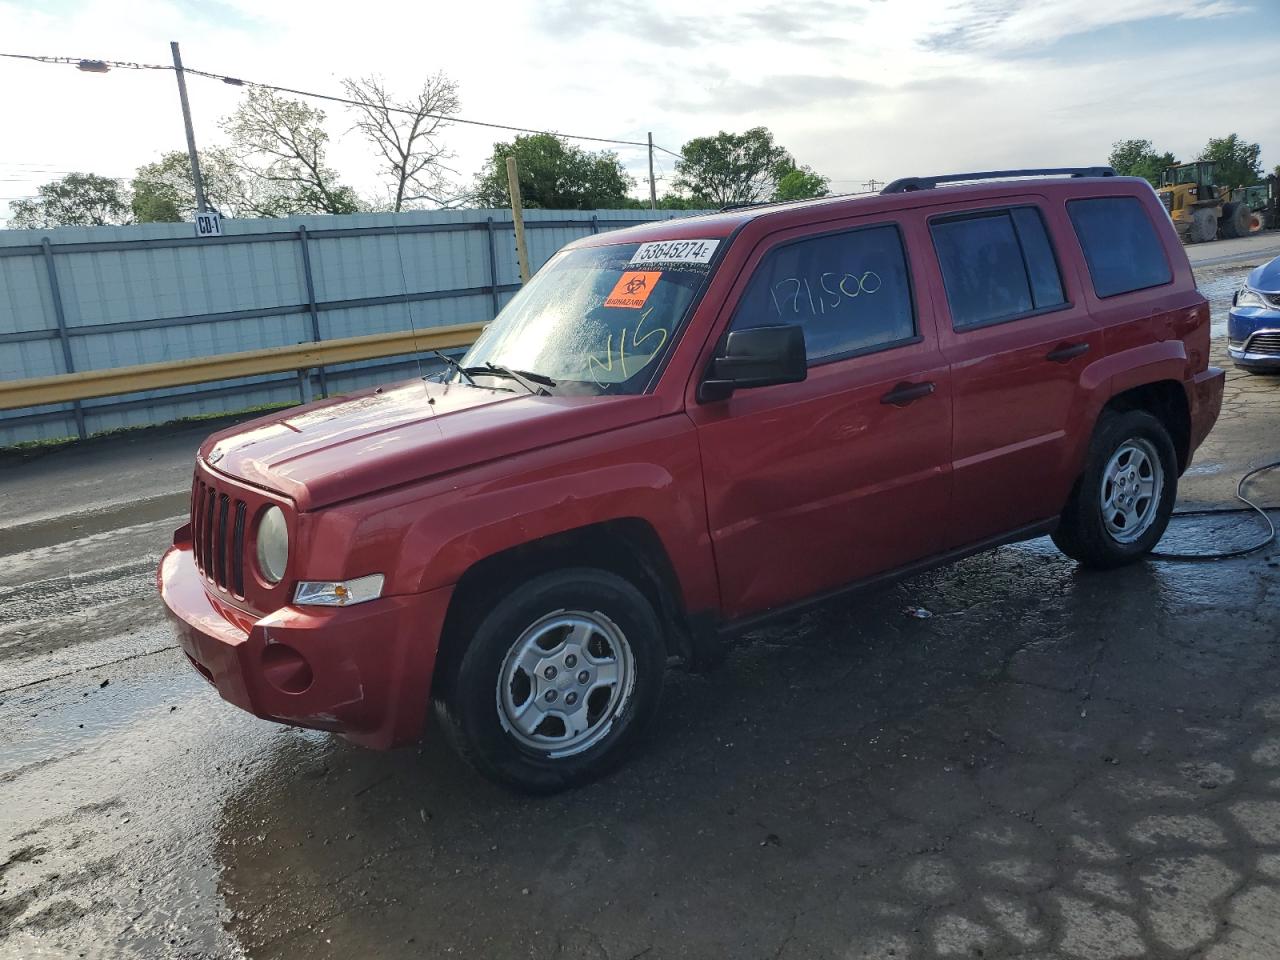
(1201, 209)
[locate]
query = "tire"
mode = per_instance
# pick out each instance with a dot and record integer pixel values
(1126, 447)
(528, 702)
(1236, 220)
(1204, 226)
(1226, 222)
(1242, 220)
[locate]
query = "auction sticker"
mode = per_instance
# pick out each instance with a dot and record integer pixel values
(633, 289)
(675, 251)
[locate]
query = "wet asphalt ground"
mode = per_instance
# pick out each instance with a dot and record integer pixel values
(1052, 764)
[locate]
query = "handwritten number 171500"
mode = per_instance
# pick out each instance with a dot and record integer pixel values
(796, 295)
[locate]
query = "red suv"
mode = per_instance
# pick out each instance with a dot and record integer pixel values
(679, 429)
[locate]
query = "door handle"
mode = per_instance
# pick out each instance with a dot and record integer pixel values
(1067, 352)
(905, 393)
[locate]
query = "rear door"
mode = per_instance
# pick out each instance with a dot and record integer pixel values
(815, 484)
(1017, 334)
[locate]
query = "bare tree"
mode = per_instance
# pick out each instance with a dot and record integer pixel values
(282, 142)
(407, 136)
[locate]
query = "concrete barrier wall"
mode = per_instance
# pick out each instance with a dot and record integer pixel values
(74, 299)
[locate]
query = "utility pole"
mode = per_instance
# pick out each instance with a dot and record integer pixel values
(196, 179)
(873, 184)
(517, 217)
(653, 184)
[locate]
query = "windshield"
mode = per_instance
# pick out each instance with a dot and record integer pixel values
(597, 319)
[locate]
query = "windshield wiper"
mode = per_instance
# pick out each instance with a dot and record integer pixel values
(535, 383)
(456, 365)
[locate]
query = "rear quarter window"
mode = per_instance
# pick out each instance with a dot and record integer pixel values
(1120, 244)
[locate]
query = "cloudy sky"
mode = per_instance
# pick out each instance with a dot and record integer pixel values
(854, 88)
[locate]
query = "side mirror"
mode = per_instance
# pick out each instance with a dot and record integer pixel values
(756, 357)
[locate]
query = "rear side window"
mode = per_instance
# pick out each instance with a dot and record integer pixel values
(1120, 245)
(851, 292)
(996, 265)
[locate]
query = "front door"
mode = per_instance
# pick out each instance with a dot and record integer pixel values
(816, 484)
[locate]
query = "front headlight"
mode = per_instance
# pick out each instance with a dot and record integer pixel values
(1249, 298)
(273, 545)
(338, 593)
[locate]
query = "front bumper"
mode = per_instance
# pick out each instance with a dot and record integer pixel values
(362, 671)
(1253, 337)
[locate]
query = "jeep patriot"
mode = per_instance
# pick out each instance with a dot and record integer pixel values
(678, 429)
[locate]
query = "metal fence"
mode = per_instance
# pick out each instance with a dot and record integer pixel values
(75, 299)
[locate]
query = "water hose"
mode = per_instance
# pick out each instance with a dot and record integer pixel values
(1249, 506)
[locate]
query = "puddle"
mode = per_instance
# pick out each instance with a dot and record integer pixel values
(1218, 289)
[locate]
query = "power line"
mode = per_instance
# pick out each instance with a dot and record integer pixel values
(102, 66)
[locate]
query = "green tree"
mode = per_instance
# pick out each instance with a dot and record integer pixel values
(673, 201)
(554, 175)
(279, 146)
(800, 183)
(1237, 161)
(1138, 158)
(734, 168)
(76, 200)
(164, 191)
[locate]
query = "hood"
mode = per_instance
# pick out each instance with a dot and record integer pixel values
(1266, 278)
(334, 450)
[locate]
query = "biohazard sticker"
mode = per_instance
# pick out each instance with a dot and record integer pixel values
(633, 289)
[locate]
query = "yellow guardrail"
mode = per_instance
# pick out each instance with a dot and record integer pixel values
(87, 384)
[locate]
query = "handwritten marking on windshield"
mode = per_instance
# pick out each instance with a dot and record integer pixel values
(606, 365)
(848, 286)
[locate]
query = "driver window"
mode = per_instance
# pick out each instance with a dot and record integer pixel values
(851, 292)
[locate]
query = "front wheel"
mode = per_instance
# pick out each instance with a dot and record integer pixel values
(1122, 502)
(557, 681)
(1204, 226)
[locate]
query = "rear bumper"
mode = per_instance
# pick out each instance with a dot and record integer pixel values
(362, 671)
(1204, 398)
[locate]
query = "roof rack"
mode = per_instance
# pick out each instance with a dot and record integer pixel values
(777, 203)
(907, 184)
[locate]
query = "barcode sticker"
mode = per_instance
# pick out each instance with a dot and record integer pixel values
(675, 251)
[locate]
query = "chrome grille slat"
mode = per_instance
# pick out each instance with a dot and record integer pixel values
(1266, 343)
(220, 543)
(211, 501)
(237, 550)
(220, 535)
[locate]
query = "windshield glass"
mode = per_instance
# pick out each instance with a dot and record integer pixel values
(598, 319)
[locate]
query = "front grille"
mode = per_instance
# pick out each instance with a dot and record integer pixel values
(217, 531)
(1267, 344)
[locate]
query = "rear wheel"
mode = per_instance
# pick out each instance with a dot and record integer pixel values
(1204, 226)
(558, 679)
(1226, 223)
(1242, 220)
(1122, 502)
